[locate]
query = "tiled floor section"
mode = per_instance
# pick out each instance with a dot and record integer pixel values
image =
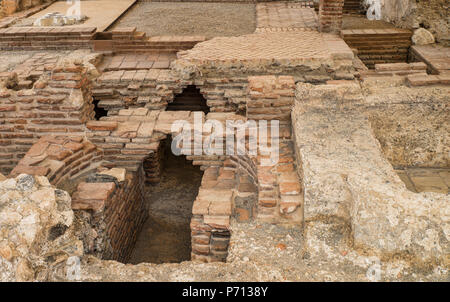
(289, 45)
(285, 16)
(426, 179)
(152, 60)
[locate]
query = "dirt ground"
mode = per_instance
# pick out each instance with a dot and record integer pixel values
(166, 235)
(191, 18)
(361, 22)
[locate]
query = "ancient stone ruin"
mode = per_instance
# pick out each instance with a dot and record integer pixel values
(262, 141)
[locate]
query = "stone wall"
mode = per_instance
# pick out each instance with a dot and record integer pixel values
(37, 229)
(347, 178)
(429, 14)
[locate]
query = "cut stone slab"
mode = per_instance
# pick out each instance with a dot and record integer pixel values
(118, 173)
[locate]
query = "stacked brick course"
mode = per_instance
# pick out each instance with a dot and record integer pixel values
(395, 69)
(280, 198)
(210, 224)
(427, 80)
(46, 38)
(352, 6)
(270, 98)
(155, 88)
(59, 158)
(129, 40)
(376, 46)
(437, 57)
(60, 104)
(152, 89)
(113, 207)
(330, 15)
(116, 210)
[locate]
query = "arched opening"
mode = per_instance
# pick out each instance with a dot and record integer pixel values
(166, 235)
(190, 99)
(99, 111)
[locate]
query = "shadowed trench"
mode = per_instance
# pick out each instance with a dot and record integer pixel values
(166, 235)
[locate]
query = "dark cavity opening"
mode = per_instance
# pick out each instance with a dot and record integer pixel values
(166, 235)
(190, 99)
(99, 112)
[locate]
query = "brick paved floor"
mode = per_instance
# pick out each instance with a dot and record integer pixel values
(285, 16)
(289, 45)
(151, 60)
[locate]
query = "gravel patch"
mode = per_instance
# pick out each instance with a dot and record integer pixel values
(190, 18)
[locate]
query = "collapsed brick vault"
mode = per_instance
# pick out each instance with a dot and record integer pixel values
(76, 185)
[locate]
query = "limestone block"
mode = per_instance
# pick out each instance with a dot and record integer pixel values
(422, 36)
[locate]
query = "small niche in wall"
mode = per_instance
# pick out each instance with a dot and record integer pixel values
(99, 111)
(190, 99)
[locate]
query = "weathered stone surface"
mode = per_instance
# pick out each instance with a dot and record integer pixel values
(422, 36)
(118, 173)
(412, 14)
(346, 176)
(36, 229)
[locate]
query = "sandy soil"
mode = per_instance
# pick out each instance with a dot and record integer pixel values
(191, 18)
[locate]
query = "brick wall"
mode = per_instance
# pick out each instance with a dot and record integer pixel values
(378, 46)
(395, 69)
(155, 88)
(330, 15)
(115, 210)
(9, 7)
(245, 200)
(270, 98)
(46, 38)
(59, 103)
(211, 213)
(129, 40)
(60, 158)
(109, 203)
(152, 89)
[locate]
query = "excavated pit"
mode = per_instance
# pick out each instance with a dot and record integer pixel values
(166, 235)
(416, 146)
